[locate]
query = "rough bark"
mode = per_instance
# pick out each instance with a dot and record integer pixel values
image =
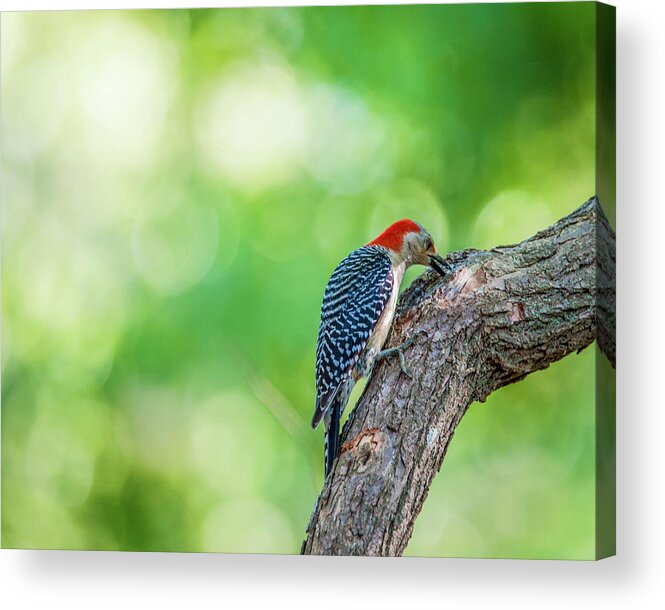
(498, 316)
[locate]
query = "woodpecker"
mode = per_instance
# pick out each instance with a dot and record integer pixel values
(356, 314)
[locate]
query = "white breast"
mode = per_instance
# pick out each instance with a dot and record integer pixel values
(378, 337)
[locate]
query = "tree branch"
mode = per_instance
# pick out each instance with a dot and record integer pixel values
(498, 316)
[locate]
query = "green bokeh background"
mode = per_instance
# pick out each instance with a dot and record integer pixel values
(177, 187)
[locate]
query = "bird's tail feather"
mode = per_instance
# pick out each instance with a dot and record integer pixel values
(331, 441)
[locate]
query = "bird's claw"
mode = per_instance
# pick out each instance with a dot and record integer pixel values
(402, 364)
(399, 350)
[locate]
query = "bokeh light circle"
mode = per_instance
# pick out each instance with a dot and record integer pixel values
(250, 125)
(174, 250)
(514, 215)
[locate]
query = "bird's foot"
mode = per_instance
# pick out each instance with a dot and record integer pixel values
(399, 350)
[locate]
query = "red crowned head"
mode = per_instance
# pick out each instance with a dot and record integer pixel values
(409, 242)
(393, 237)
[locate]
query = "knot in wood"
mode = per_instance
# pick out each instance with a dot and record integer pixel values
(515, 311)
(361, 447)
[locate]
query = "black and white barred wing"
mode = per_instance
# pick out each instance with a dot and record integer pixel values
(356, 295)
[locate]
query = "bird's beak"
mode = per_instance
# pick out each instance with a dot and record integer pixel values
(438, 264)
